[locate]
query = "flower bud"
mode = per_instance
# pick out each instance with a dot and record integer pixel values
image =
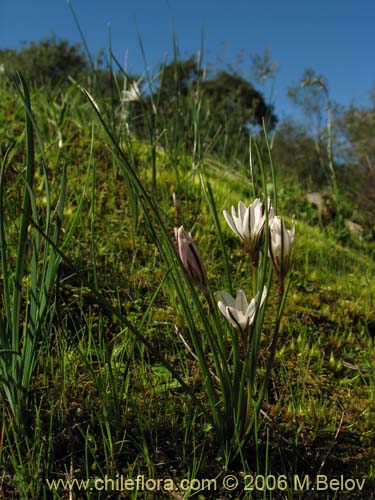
(280, 246)
(190, 257)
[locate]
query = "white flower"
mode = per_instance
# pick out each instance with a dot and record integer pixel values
(175, 201)
(280, 245)
(134, 92)
(249, 223)
(60, 143)
(238, 311)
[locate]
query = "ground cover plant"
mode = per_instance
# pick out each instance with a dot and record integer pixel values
(165, 320)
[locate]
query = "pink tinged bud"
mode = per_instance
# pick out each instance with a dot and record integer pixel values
(280, 246)
(238, 311)
(190, 257)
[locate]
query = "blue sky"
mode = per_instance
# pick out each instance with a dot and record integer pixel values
(335, 37)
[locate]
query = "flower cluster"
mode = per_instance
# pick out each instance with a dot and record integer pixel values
(232, 362)
(249, 224)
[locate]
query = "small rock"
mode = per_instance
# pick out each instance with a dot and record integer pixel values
(315, 198)
(353, 227)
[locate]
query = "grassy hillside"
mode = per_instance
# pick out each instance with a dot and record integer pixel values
(101, 400)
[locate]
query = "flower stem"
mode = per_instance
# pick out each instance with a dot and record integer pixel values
(255, 276)
(262, 393)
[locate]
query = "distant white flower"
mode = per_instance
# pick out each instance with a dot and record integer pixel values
(280, 245)
(238, 311)
(249, 223)
(175, 201)
(2, 68)
(133, 93)
(60, 143)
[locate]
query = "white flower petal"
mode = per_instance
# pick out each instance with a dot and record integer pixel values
(251, 309)
(246, 222)
(241, 210)
(237, 222)
(223, 309)
(241, 301)
(230, 222)
(264, 295)
(227, 299)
